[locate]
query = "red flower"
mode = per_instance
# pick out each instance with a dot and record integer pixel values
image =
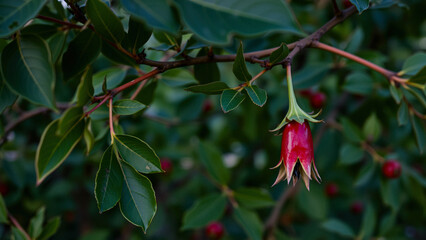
(297, 154)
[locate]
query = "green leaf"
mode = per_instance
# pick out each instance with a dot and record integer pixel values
(310, 75)
(137, 204)
(105, 21)
(231, 99)
(206, 72)
(351, 131)
(156, 13)
(17, 234)
(361, 5)
(257, 95)
(50, 228)
(127, 106)
(338, 227)
(212, 160)
(396, 93)
(365, 174)
(402, 114)
(81, 52)
(85, 88)
(139, 34)
(138, 154)
(54, 149)
(114, 76)
(420, 76)
(239, 68)
(211, 88)
(217, 21)
(359, 83)
(56, 45)
(3, 211)
(413, 64)
(350, 154)
(279, 54)
(204, 211)
(190, 107)
(368, 222)
(14, 14)
(7, 97)
(146, 96)
(390, 191)
(116, 55)
(36, 223)
(28, 70)
(253, 198)
(372, 127)
(313, 202)
(387, 223)
(418, 94)
(249, 221)
(419, 130)
(69, 118)
(88, 136)
(109, 181)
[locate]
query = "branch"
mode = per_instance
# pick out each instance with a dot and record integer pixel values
(18, 226)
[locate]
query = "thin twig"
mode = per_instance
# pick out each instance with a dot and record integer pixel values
(18, 226)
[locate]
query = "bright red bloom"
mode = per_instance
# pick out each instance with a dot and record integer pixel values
(297, 154)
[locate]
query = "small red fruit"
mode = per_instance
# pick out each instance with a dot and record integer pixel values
(166, 165)
(346, 4)
(331, 190)
(207, 106)
(391, 169)
(357, 207)
(317, 100)
(4, 189)
(215, 230)
(306, 92)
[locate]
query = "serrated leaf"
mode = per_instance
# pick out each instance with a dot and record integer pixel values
(109, 181)
(127, 107)
(339, 227)
(209, 88)
(358, 83)
(206, 72)
(212, 161)
(413, 64)
(138, 35)
(402, 114)
(138, 154)
(372, 127)
(361, 5)
(81, 52)
(14, 14)
(420, 76)
(137, 203)
(253, 198)
(114, 76)
(239, 68)
(216, 21)
(3, 211)
(350, 154)
(279, 54)
(36, 223)
(54, 149)
(50, 228)
(204, 211)
(396, 93)
(85, 88)
(28, 70)
(230, 99)
(257, 95)
(105, 21)
(249, 221)
(156, 13)
(69, 118)
(419, 130)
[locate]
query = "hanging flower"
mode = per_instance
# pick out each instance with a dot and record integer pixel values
(297, 154)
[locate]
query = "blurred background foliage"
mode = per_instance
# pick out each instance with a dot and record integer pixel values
(354, 199)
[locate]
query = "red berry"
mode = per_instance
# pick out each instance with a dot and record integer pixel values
(346, 4)
(207, 106)
(317, 100)
(331, 190)
(166, 165)
(215, 230)
(4, 189)
(357, 207)
(391, 169)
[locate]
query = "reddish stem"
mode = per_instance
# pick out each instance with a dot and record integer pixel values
(105, 98)
(18, 226)
(135, 81)
(50, 19)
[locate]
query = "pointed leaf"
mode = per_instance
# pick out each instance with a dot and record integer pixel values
(114, 76)
(109, 181)
(50, 228)
(204, 211)
(54, 149)
(351, 131)
(372, 127)
(137, 204)
(414, 64)
(368, 222)
(240, 68)
(350, 154)
(88, 136)
(3, 211)
(36, 223)
(127, 106)
(361, 5)
(69, 118)
(105, 21)
(212, 160)
(402, 114)
(396, 93)
(14, 14)
(231, 99)
(81, 52)
(209, 88)
(85, 88)
(253, 198)
(420, 76)
(419, 130)
(364, 175)
(339, 227)
(17, 234)
(257, 95)
(138, 154)
(249, 221)
(28, 70)
(139, 34)
(279, 54)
